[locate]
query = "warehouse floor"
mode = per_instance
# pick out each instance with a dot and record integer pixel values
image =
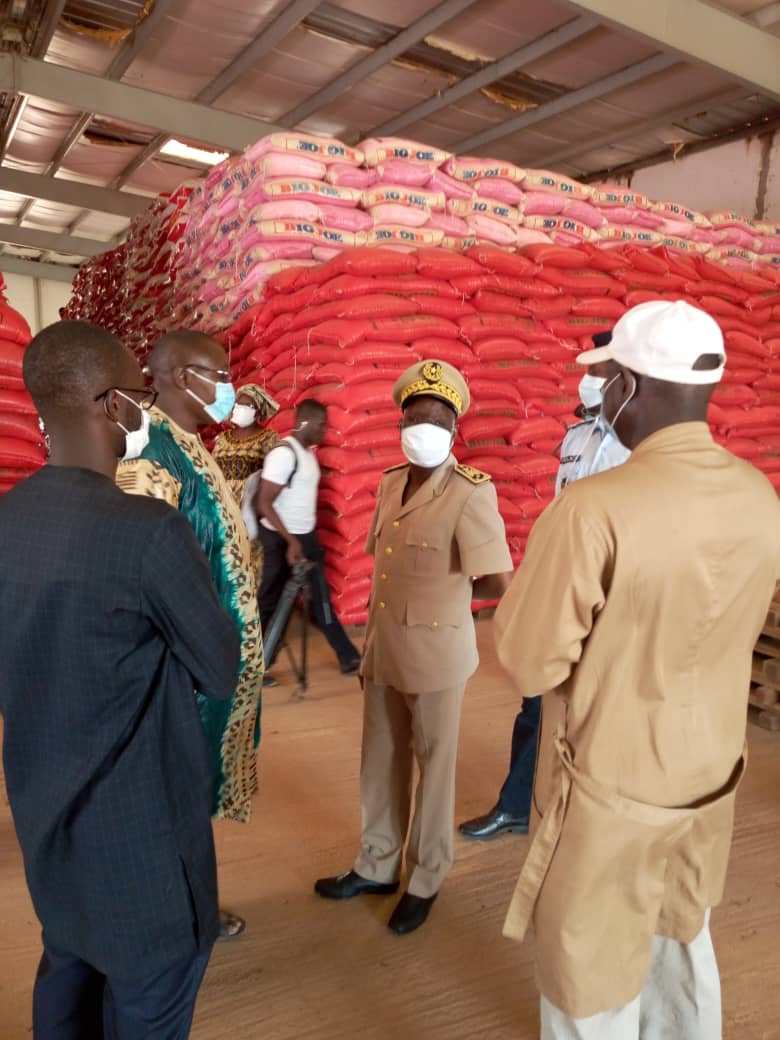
(311, 969)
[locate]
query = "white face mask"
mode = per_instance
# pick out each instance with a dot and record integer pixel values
(243, 415)
(426, 445)
(135, 440)
(591, 388)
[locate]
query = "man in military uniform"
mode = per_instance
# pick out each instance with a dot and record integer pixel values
(438, 542)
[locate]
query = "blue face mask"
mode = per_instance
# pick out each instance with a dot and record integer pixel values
(222, 406)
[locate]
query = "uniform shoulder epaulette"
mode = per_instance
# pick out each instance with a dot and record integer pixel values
(474, 476)
(392, 469)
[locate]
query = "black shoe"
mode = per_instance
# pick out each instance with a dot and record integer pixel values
(349, 885)
(350, 667)
(411, 912)
(485, 828)
(269, 681)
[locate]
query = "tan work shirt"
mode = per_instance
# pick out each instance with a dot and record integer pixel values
(638, 604)
(420, 636)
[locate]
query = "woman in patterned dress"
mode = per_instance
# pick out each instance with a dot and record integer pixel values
(240, 452)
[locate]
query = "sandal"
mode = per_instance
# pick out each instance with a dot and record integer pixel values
(230, 926)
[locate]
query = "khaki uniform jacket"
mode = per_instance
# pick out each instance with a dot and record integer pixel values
(420, 636)
(638, 605)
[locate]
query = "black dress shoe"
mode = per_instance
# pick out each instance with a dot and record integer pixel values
(411, 912)
(349, 885)
(350, 667)
(485, 828)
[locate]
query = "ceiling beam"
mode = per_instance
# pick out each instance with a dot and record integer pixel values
(496, 70)
(699, 32)
(71, 193)
(262, 44)
(566, 102)
(51, 241)
(292, 15)
(121, 101)
(765, 125)
(48, 26)
(36, 269)
(440, 15)
(637, 127)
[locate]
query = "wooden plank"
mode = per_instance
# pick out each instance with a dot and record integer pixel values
(764, 696)
(768, 647)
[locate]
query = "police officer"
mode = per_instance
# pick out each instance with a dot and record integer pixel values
(438, 542)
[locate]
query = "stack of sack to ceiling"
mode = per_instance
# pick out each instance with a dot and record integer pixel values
(202, 257)
(130, 290)
(22, 451)
(342, 332)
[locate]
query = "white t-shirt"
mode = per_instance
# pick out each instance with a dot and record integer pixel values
(588, 448)
(295, 505)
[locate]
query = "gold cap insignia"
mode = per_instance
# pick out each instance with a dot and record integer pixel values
(432, 372)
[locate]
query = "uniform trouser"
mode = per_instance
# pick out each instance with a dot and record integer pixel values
(72, 1000)
(679, 1001)
(276, 571)
(515, 796)
(397, 729)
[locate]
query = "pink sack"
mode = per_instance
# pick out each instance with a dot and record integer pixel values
(545, 180)
(345, 219)
(526, 237)
(477, 206)
(543, 202)
(386, 149)
(402, 195)
(303, 188)
(452, 188)
(283, 164)
(409, 174)
(448, 224)
(396, 234)
(499, 189)
(285, 209)
(492, 230)
(345, 176)
(474, 169)
(584, 212)
(325, 149)
(395, 213)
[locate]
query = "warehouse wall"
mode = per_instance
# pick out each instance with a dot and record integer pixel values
(38, 299)
(743, 176)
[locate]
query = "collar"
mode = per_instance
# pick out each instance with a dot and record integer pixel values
(433, 486)
(684, 436)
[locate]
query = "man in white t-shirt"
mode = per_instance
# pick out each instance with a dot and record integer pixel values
(286, 501)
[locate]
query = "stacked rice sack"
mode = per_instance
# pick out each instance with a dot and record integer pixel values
(22, 450)
(130, 290)
(342, 332)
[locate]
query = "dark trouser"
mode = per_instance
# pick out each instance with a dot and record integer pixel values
(515, 797)
(276, 571)
(73, 1001)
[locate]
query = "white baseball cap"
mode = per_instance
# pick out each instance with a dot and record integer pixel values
(664, 340)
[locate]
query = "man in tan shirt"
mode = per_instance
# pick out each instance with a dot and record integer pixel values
(636, 611)
(435, 527)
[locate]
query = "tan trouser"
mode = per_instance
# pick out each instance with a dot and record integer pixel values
(679, 1001)
(397, 729)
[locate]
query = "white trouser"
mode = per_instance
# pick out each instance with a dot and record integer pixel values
(679, 1001)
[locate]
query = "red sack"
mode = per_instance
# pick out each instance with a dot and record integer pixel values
(477, 428)
(13, 326)
(497, 261)
(562, 407)
(12, 383)
(498, 468)
(453, 351)
(584, 326)
(490, 326)
(363, 308)
(554, 255)
(536, 429)
(531, 508)
(540, 466)
(443, 307)
(15, 453)
(383, 437)
(583, 282)
(17, 402)
(488, 389)
(396, 355)
(599, 307)
(500, 303)
(718, 307)
(20, 427)
(375, 261)
(745, 344)
(407, 330)
(709, 287)
(501, 348)
(445, 264)
(645, 260)
(635, 279)
(555, 307)
(11, 358)
(502, 283)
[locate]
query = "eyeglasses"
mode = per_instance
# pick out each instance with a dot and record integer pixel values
(222, 375)
(146, 394)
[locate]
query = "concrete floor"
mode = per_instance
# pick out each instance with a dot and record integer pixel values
(310, 969)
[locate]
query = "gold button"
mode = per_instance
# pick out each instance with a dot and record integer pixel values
(383, 577)
(396, 523)
(435, 624)
(389, 551)
(381, 604)
(425, 545)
